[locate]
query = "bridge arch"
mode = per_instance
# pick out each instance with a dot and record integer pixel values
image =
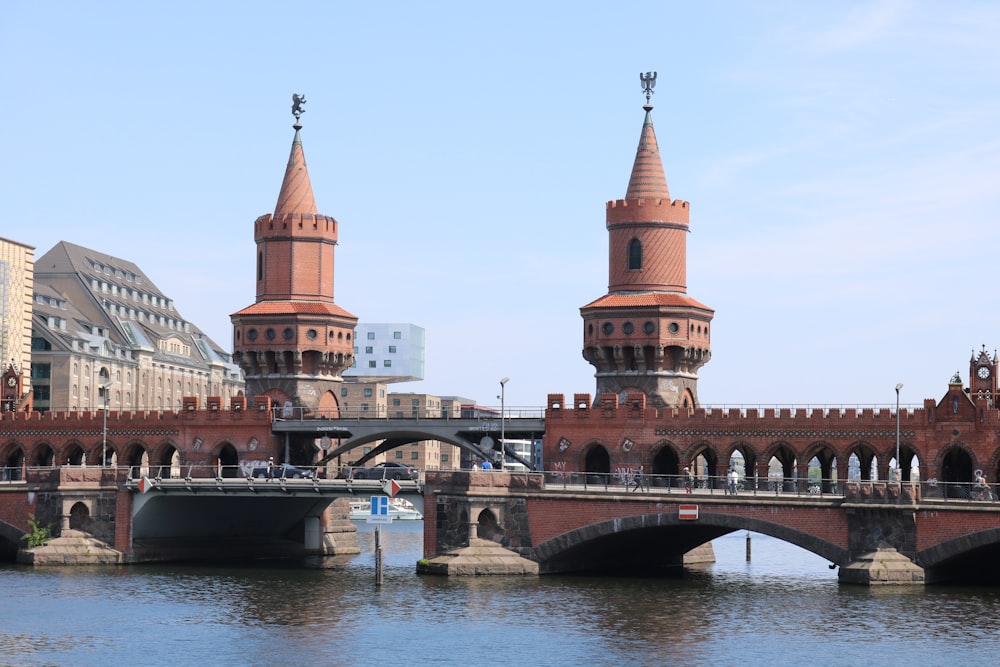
(824, 453)
(137, 458)
(226, 459)
(12, 461)
(703, 458)
(666, 461)
(596, 461)
(906, 456)
(167, 460)
(782, 452)
(955, 464)
(11, 539)
(391, 439)
(971, 555)
(74, 454)
(42, 454)
(649, 536)
(747, 453)
(866, 455)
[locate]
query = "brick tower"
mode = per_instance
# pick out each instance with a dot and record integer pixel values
(647, 335)
(293, 343)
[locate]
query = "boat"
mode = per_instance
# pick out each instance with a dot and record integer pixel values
(399, 509)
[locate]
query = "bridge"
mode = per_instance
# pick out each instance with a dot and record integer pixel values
(478, 434)
(185, 490)
(874, 532)
(200, 512)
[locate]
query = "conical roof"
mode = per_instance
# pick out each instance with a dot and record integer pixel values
(647, 180)
(296, 194)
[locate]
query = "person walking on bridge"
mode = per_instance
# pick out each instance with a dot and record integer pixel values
(688, 480)
(638, 479)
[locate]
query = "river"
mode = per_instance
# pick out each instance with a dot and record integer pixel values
(784, 607)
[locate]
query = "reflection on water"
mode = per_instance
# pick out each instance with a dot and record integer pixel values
(783, 607)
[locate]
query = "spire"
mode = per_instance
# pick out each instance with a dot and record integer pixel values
(296, 194)
(647, 180)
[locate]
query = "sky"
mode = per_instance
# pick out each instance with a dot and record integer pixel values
(842, 162)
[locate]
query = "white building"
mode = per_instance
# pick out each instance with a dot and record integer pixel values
(387, 353)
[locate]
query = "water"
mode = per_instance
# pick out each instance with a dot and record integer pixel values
(783, 608)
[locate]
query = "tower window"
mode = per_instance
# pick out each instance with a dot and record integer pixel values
(260, 266)
(634, 255)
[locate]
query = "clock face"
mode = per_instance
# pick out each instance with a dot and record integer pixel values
(983, 372)
(11, 381)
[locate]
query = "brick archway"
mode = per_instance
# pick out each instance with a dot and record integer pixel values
(577, 546)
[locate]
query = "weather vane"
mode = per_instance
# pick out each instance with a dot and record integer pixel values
(648, 83)
(297, 102)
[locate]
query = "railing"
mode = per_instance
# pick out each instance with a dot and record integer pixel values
(262, 471)
(405, 412)
(619, 481)
(628, 480)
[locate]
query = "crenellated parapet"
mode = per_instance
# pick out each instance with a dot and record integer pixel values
(631, 211)
(306, 226)
(611, 406)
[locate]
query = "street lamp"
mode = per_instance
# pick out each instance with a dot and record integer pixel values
(503, 453)
(105, 388)
(899, 472)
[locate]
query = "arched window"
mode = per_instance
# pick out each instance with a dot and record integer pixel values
(634, 255)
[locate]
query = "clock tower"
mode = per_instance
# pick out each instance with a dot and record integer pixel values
(646, 334)
(983, 375)
(294, 342)
(10, 390)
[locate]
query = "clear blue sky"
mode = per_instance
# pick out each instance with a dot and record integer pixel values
(842, 161)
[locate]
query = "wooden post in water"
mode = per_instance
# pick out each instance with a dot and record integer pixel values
(378, 555)
(748, 546)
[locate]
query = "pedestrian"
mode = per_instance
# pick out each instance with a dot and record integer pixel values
(688, 479)
(487, 465)
(638, 479)
(270, 467)
(734, 479)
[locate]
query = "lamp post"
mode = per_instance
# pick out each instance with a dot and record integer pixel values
(105, 388)
(503, 413)
(899, 472)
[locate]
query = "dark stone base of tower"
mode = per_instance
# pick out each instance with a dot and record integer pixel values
(661, 390)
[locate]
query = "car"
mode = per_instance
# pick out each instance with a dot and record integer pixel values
(390, 470)
(283, 470)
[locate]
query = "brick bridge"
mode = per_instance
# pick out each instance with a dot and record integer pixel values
(553, 518)
(570, 528)
(562, 525)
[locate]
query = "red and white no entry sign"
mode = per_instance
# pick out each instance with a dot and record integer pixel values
(687, 512)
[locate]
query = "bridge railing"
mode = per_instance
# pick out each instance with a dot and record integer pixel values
(407, 412)
(854, 490)
(261, 470)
